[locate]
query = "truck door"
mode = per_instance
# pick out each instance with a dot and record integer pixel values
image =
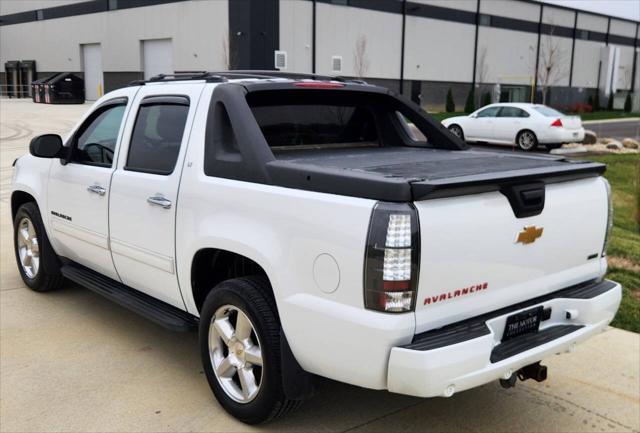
(78, 190)
(144, 189)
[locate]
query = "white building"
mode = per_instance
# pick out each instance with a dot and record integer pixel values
(420, 47)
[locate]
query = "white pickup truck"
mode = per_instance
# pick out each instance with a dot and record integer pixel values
(317, 226)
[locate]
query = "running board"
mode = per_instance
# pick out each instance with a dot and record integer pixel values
(153, 309)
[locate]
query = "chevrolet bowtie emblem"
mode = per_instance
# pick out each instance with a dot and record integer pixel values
(529, 234)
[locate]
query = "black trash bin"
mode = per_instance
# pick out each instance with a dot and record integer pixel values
(65, 88)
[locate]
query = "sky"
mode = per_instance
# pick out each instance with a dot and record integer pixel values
(629, 9)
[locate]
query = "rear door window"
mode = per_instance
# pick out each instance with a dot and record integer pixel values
(512, 112)
(157, 135)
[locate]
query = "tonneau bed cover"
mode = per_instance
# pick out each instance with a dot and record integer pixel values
(410, 174)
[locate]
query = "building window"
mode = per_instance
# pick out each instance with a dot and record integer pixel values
(113, 5)
(340, 2)
(484, 20)
(583, 34)
(39, 15)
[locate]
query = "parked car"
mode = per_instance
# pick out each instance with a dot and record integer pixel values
(302, 229)
(524, 125)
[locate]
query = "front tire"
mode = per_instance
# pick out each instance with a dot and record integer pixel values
(527, 140)
(32, 248)
(457, 131)
(240, 349)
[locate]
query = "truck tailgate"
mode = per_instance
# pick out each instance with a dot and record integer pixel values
(472, 263)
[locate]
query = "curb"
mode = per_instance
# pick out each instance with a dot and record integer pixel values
(625, 119)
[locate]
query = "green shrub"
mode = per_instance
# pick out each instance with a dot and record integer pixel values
(627, 103)
(470, 104)
(450, 106)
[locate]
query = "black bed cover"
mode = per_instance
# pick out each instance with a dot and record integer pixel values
(411, 174)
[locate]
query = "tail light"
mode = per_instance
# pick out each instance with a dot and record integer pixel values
(392, 258)
(609, 217)
(557, 122)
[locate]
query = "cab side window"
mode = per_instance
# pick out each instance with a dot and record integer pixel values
(157, 134)
(95, 141)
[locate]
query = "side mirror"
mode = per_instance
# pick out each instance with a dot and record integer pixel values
(47, 146)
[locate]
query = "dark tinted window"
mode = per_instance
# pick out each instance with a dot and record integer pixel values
(488, 112)
(512, 112)
(157, 134)
(312, 125)
(95, 141)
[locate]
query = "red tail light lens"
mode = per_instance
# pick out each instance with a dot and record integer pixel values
(557, 122)
(318, 84)
(392, 258)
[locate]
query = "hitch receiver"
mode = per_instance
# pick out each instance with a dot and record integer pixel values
(535, 371)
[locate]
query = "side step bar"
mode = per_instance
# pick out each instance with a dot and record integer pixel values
(157, 311)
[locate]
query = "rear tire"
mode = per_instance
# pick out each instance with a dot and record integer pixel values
(527, 140)
(240, 349)
(457, 131)
(32, 249)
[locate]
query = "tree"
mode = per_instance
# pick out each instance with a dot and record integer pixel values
(596, 101)
(627, 103)
(360, 59)
(470, 104)
(450, 105)
(486, 99)
(553, 63)
(610, 102)
(482, 69)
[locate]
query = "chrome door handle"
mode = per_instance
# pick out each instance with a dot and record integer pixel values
(158, 200)
(97, 189)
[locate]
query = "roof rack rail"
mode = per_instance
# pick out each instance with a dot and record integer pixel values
(221, 76)
(284, 74)
(209, 77)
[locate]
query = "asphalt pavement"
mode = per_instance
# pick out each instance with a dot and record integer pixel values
(71, 361)
(615, 129)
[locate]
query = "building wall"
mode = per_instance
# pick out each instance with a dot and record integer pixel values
(339, 27)
(426, 58)
(439, 46)
(296, 37)
(15, 6)
(197, 38)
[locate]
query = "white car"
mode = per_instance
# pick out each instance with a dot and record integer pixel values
(525, 125)
(298, 226)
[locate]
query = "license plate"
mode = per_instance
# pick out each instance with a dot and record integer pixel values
(522, 323)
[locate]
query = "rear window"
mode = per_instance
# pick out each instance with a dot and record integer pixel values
(547, 111)
(311, 119)
(310, 125)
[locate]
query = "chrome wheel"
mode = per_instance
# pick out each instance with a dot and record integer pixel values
(235, 353)
(28, 250)
(526, 140)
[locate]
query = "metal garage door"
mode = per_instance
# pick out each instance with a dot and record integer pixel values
(93, 78)
(158, 57)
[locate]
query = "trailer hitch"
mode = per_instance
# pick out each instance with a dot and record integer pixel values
(535, 371)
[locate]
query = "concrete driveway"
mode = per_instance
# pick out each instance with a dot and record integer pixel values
(73, 361)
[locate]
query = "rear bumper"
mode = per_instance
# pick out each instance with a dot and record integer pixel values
(562, 135)
(468, 354)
